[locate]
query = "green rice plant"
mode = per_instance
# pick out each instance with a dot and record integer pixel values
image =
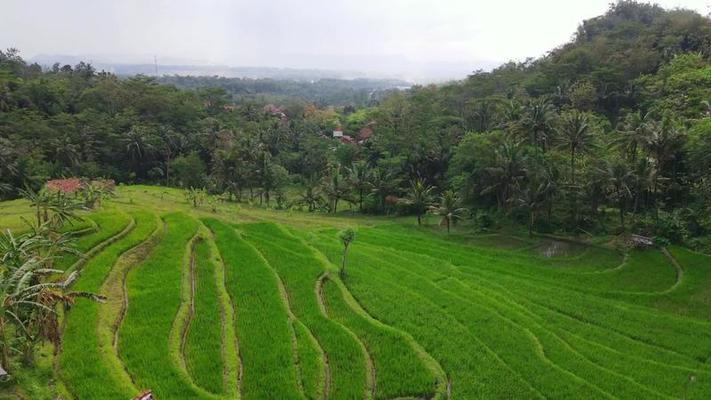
(515, 346)
(230, 346)
(83, 362)
(474, 369)
(640, 372)
(558, 353)
(630, 279)
(665, 330)
(110, 224)
(399, 372)
(693, 296)
(622, 321)
(154, 298)
(203, 341)
(310, 361)
(261, 318)
(299, 269)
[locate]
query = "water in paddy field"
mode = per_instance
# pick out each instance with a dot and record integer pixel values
(558, 248)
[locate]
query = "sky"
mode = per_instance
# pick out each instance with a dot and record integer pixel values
(405, 38)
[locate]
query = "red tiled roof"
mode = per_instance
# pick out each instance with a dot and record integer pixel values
(365, 133)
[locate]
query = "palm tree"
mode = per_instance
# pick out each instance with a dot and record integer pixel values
(170, 144)
(502, 177)
(358, 176)
(484, 112)
(449, 208)
(633, 134)
(512, 114)
(577, 135)
(538, 121)
(311, 197)
(139, 143)
(419, 198)
(67, 151)
(619, 181)
(663, 144)
(383, 184)
(536, 194)
(335, 188)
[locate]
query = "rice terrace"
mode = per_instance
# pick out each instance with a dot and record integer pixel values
(239, 302)
(355, 200)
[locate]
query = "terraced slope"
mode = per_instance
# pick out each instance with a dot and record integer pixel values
(88, 368)
(109, 225)
(204, 309)
(147, 335)
(552, 339)
(262, 321)
(346, 374)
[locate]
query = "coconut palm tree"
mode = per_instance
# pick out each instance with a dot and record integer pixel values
(484, 111)
(576, 133)
(536, 193)
(311, 197)
(358, 176)
(538, 122)
(334, 186)
(663, 144)
(383, 184)
(419, 197)
(449, 208)
(633, 134)
(619, 182)
(502, 177)
(139, 142)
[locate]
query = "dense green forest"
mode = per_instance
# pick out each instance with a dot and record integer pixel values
(610, 132)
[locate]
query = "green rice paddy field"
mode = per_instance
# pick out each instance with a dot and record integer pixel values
(246, 303)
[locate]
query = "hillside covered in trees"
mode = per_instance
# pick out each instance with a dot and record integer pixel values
(607, 133)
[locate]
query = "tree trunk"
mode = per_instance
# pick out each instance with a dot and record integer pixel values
(419, 220)
(530, 223)
(360, 200)
(572, 165)
(343, 261)
(167, 171)
(446, 219)
(574, 199)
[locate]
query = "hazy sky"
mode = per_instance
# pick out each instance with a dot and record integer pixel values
(408, 36)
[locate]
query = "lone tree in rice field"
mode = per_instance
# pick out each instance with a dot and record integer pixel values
(419, 198)
(449, 208)
(346, 236)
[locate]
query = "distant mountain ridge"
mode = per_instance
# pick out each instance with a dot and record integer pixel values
(195, 68)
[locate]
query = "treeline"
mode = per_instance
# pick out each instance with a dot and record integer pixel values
(359, 92)
(607, 133)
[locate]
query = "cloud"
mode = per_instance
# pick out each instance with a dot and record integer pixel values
(382, 35)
